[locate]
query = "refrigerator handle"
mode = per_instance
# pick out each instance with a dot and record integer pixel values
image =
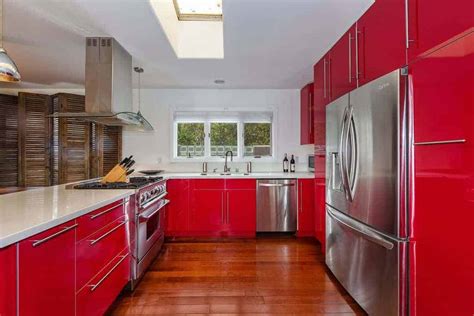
(340, 150)
(353, 163)
(360, 229)
(343, 150)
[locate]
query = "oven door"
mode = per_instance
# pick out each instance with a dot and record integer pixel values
(151, 226)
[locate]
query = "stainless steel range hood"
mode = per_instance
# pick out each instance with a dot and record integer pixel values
(108, 86)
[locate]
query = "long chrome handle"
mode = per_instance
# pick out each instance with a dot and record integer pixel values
(360, 229)
(324, 77)
(341, 152)
(227, 208)
(94, 241)
(148, 215)
(154, 200)
(346, 162)
(106, 211)
(329, 79)
(357, 70)
(41, 241)
(350, 58)
(276, 184)
(95, 286)
(441, 142)
(311, 110)
(222, 208)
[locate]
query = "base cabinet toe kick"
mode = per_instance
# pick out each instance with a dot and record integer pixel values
(77, 268)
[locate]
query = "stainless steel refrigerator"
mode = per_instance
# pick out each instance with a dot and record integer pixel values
(365, 198)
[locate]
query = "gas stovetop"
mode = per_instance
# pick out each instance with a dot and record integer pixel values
(135, 183)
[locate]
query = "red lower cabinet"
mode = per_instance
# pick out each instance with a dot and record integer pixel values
(101, 291)
(178, 209)
(206, 212)
(8, 281)
(320, 212)
(47, 272)
(305, 207)
(241, 208)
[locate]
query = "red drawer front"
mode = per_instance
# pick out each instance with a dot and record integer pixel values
(92, 222)
(241, 184)
(96, 251)
(103, 289)
(208, 184)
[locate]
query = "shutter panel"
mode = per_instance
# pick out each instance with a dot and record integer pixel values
(106, 148)
(34, 131)
(71, 141)
(8, 141)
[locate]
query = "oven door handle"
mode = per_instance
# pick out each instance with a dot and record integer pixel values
(146, 216)
(153, 200)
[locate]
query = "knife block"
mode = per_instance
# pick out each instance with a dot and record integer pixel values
(117, 174)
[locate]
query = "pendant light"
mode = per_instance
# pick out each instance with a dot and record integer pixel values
(8, 70)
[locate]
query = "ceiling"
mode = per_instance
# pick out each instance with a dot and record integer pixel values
(267, 43)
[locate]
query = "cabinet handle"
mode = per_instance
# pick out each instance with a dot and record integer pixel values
(324, 75)
(106, 211)
(39, 242)
(95, 286)
(311, 112)
(222, 208)
(227, 209)
(329, 79)
(94, 241)
(407, 23)
(441, 142)
(357, 70)
(350, 59)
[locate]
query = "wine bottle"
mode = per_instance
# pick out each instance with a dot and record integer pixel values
(285, 163)
(292, 164)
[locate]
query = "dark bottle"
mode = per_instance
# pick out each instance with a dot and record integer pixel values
(285, 163)
(292, 164)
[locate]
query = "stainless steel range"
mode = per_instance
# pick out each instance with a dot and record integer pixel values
(147, 219)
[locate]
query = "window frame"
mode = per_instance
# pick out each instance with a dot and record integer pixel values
(207, 141)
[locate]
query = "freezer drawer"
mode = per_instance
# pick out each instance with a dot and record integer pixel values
(366, 263)
(276, 205)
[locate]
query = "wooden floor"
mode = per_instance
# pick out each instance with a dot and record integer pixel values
(277, 275)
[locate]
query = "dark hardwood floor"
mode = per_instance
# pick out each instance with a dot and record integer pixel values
(276, 275)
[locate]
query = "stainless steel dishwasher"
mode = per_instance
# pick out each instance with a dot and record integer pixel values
(276, 205)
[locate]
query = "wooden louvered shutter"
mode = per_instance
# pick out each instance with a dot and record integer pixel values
(34, 132)
(70, 141)
(106, 148)
(8, 141)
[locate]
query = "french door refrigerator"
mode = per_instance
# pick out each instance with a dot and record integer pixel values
(365, 199)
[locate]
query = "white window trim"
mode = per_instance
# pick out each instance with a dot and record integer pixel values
(207, 142)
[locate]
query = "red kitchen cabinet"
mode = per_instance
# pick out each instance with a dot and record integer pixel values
(321, 81)
(381, 40)
(442, 214)
(343, 65)
(178, 208)
(306, 115)
(320, 212)
(437, 22)
(305, 207)
(46, 272)
(241, 208)
(8, 281)
(206, 215)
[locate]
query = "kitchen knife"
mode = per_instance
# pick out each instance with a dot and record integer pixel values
(129, 172)
(126, 161)
(129, 164)
(123, 162)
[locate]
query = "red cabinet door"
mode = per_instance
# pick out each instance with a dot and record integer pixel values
(321, 81)
(178, 208)
(241, 212)
(381, 40)
(442, 93)
(47, 267)
(8, 281)
(206, 216)
(320, 212)
(305, 207)
(306, 115)
(435, 22)
(342, 65)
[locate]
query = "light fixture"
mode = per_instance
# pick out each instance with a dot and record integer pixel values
(8, 70)
(219, 81)
(198, 10)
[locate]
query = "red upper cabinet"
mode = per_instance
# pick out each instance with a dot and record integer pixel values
(381, 40)
(321, 81)
(431, 23)
(178, 208)
(305, 207)
(306, 115)
(47, 272)
(8, 283)
(342, 65)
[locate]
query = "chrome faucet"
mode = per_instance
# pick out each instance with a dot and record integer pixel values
(226, 169)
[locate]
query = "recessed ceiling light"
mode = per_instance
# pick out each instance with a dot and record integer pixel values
(219, 81)
(198, 10)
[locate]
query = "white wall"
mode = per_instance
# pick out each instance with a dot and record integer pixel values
(154, 149)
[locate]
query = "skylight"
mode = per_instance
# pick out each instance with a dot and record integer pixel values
(198, 10)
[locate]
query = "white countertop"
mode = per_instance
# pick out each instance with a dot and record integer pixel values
(253, 175)
(24, 214)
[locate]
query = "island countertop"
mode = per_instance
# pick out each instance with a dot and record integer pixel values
(24, 214)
